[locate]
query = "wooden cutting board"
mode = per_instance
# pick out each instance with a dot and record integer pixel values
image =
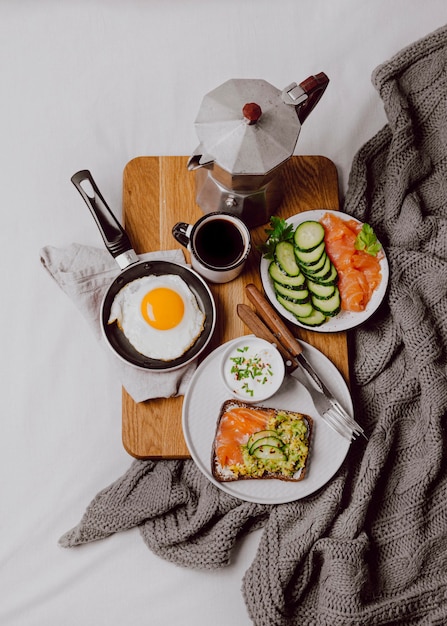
(157, 193)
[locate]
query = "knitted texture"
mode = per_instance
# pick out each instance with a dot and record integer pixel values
(371, 546)
(181, 515)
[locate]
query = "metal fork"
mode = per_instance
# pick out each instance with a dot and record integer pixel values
(325, 402)
(327, 406)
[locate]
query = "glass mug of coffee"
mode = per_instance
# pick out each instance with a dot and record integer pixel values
(219, 244)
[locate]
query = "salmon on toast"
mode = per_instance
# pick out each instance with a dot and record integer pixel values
(254, 442)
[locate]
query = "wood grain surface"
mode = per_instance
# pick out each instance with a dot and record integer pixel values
(157, 193)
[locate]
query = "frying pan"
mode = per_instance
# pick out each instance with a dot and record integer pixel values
(118, 244)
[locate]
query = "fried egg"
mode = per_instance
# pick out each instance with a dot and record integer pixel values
(159, 315)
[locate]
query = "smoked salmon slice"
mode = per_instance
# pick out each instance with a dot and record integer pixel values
(359, 272)
(236, 426)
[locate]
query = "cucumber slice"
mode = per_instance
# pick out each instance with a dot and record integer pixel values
(320, 274)
(308, 235)
(299, 309)
(316, 267)
(273, 442)
(295, 295)
(269, 452)
(285, 257)
(278, 276)
(260, 434)
(317, 318)
(310, 257)
(329, 307)
(330, 278)
(320, 290)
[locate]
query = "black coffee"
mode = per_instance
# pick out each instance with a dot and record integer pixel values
(219, 243)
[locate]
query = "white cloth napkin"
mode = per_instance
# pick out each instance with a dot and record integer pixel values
(84, 273)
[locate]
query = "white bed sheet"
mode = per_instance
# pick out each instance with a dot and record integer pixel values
(92, 84)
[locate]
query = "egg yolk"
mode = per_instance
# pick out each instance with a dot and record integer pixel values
(162, 308)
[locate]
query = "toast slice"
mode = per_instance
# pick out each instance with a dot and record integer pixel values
(256, 442)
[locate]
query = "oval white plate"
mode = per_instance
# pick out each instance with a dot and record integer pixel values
(201, 408)
(345, 319)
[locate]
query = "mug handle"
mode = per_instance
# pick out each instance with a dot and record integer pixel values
(181, 232)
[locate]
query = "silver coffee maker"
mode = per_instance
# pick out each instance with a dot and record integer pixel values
(248, 129)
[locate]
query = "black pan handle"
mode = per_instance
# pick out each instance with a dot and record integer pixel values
(114, 236)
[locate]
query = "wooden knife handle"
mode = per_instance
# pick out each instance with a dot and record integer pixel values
(268, 314)
(257, 326)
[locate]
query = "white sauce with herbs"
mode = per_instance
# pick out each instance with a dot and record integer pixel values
(253, 369)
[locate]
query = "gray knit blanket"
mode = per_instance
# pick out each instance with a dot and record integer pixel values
(371, 546)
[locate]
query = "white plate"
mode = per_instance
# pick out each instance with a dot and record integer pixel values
(201, 408)
(345, 319)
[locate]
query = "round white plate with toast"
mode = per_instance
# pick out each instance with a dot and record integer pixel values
(345, 319)
(201, 409)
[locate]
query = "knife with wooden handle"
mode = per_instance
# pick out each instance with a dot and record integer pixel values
(257, 326)
(268, 314)
(282, 334)
(266, 323)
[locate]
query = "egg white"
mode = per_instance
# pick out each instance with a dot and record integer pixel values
(164, 345)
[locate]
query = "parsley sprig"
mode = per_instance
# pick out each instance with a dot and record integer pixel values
(367, 241)
(279, 230)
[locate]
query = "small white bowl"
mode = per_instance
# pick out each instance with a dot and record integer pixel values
(252, 369)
